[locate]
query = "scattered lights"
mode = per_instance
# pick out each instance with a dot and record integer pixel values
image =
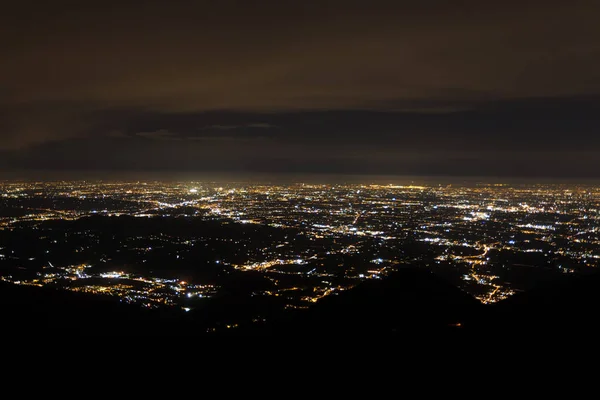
(475, 230)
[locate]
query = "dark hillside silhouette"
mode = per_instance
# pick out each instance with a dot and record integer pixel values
(409, 301)
(568, 305)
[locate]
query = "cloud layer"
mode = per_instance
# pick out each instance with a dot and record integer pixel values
(300, 76)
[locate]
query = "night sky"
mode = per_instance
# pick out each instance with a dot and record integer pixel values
(486, 88)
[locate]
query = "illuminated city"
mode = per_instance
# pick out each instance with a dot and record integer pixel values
(163, 244)
(299, 169)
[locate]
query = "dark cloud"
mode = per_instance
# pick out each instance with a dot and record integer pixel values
(289, 85)
(537, 137)
(259, 125)
(161, 134)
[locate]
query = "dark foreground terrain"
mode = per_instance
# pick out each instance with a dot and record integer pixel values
(410, 301)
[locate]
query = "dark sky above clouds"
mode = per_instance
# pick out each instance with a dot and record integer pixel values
(354, 87)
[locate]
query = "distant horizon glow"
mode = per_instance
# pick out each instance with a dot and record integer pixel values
(192, 178)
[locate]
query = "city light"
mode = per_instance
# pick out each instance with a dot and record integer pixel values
(308, 241)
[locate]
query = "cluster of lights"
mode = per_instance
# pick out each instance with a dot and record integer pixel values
(467, 227)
